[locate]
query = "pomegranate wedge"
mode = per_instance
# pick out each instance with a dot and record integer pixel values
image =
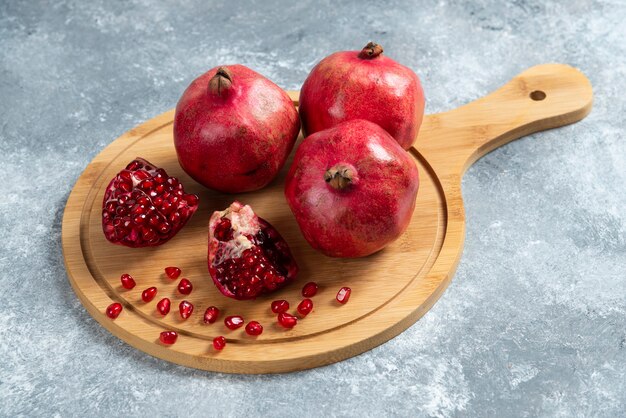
(144, 207)
(247, 256)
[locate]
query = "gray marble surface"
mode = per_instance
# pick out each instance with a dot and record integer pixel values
(534, 322)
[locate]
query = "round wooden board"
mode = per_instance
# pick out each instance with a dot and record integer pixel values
(390, 290)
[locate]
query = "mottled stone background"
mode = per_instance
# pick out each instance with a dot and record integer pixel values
(534, 322)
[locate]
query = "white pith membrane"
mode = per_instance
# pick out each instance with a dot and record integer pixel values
(243, 223)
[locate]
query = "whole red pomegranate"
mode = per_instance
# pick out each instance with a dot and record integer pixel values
(363, 85)
(233, 129)
(247, 255)
(352, 189)
(144, 207)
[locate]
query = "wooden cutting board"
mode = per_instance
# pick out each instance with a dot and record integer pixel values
(390, 290)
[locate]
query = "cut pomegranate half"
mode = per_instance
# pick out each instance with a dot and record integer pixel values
(247, 255)
(144, 207)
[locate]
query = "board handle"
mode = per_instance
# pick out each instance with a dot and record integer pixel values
(543, 97)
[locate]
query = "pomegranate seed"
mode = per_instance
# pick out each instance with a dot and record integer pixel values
(343, 295)
(185, 287)
(149, 294)
(287, 320)
(279, 306)
(254, 328)
(172, 272)
(309, 290)
(164, 306)
(114, 310)
(168, 337)
(186, 309)
(219, 343)
(127, 281)
(211, 315)
(233, 322)
(305, 307)
(223, 231)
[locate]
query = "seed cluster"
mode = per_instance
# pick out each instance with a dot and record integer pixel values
(143, 206)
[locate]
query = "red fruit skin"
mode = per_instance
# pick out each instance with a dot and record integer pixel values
(237, 140)
(344, 87)
(373, 210)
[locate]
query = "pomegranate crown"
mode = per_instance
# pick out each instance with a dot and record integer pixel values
(340, 176)
(370, 51)
(221, 82)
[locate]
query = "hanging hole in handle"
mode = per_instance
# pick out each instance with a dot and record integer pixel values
(537, 95)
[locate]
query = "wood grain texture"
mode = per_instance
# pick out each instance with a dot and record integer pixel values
(391, 289)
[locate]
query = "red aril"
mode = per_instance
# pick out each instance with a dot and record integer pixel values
(185, 287)
(233, 129)
(254, 328)
(149, 294)
(172, 272)
(247, 256)
(352, 189)
(144, 207)
(233, 322)
(211, 314)
(127, 281)
(305, 307)
(114, 310)
(309, 290)
(279, 306)
(366, 85)
(287, 320)
(185, 308)
(219, 343)
(168, 337)
(163, 306)
(343, 295)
